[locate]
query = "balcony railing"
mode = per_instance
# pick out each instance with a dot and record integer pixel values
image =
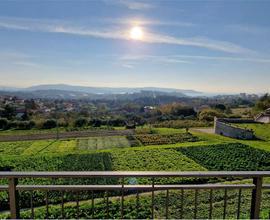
(13, 188)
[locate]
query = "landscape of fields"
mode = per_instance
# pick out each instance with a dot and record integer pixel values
(156, 149)
(134, 109)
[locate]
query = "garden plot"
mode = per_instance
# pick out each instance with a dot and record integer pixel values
(98, 143)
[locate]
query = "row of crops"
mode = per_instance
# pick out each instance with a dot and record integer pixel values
(84, 155)
(97, 143)
(232, 156)
(91, 143)
(62, 146)
(160, 139)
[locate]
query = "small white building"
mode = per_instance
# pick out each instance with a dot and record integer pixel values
(263, 117)
(149, 108)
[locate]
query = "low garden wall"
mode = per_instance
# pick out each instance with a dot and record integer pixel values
(223, 127)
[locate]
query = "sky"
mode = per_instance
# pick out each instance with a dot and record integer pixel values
(209, 46)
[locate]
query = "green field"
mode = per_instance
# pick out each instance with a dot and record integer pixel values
(98, 143)
(208, 152)
(262, 131)
(62, 146)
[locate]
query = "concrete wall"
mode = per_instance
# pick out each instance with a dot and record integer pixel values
(223, 128)
(263, 119)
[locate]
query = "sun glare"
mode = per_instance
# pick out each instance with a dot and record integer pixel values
(136, 33)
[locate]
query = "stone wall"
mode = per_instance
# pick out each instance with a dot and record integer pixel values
(222, 127)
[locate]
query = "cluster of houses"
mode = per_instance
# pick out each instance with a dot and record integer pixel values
(18, 104)
(40, 106)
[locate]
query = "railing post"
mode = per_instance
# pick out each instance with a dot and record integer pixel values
(256, 198)
(13, 198)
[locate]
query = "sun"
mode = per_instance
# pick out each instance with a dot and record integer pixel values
(136, 33)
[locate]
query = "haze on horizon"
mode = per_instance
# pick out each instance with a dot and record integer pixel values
(206, 46)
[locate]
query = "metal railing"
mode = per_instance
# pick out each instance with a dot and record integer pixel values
(13, 188)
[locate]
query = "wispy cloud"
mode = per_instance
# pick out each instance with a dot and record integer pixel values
(122, 34)
(17, 58)
(250, 29)
(131, 4)
(160, 59)
(222, 58)
(188, 58)
(147, 22)
(13, 55)
(26, 63)
(127, 65)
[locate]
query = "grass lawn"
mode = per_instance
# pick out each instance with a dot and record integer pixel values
(215, 139)
(262, 131)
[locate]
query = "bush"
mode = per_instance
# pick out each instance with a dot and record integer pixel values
(50, 123)
(12, 124)
(263, 103)
(25, 125)
(81, 122)
(3, 123)
(181, 124)
(183, 111)
(95, 122)
(62, 122)
(209, 115)
(116, 122)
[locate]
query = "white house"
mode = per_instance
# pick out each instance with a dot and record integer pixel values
(263, 117)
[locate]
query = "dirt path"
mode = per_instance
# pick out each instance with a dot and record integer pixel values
(204, 130)
(65, 135)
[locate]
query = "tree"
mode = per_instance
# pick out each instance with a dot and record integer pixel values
(25, 125)
(263, 103)
(9, 112)
(180, 110)
(30, 104)
(177, 109)
(209, 115)
(81, 122)
(25, 116)
(3, 123)
(50, 123)
(95, 122)
(220, 107)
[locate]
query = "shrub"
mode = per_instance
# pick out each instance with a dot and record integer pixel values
(3, 123)
(181, 124)
(50, 123)
(25, 125)
(81, 122)
(209, 115)
(116, 122)
(95, 122)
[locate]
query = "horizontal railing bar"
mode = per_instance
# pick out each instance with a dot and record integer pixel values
(266, 186)
(194, 174)
(130, 187)
(3, 187)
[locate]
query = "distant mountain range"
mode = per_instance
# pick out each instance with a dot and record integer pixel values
(77, 92)
(109, 90)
